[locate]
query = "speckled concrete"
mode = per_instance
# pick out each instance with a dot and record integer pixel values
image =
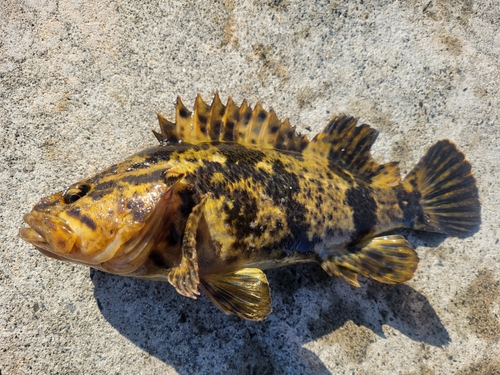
(80, 82)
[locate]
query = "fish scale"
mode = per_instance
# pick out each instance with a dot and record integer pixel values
(231, 191)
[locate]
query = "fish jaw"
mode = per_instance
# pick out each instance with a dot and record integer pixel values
(54, 237)
(49, 233)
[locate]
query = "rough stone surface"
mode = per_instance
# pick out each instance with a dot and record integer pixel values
(80, 82)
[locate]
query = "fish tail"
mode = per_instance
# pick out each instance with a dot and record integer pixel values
(442, 192)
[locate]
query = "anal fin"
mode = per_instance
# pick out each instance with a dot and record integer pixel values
(333, 268)
(244, 292)
(387, 259)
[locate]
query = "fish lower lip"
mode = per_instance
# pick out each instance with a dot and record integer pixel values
(34, 238)
(48, 232)
(34, 232)
(30, 235)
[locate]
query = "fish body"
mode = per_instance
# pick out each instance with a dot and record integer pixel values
(232, 190)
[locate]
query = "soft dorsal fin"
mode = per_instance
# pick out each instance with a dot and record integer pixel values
(347, 145)
(229, 123)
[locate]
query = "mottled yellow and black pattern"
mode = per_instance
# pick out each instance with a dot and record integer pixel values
(232, 190)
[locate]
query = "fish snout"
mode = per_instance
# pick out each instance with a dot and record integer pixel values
(49, 233)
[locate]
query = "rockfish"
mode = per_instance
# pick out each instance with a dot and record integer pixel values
(231, 191)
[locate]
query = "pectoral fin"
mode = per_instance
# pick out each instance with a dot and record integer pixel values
(244, 292)
(184, 277)
(387, 259)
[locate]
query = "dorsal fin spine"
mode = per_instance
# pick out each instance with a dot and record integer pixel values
(183, 120)
(284, 135)
(245, 117)
(269, 132)
(217, 110)
(168, 129)
(259, 117)
(230, 121)
(200, 118)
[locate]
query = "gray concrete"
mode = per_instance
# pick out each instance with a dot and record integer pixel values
(80, 82)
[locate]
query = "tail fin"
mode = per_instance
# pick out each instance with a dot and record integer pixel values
(447, 191)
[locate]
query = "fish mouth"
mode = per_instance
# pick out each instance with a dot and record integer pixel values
(123, 253)
(49, 234)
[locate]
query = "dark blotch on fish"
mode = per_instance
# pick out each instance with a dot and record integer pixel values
(236, 153)
(76, 213)
(242, 215)
(144, 178)
(409, 203)
(103, 189)
(364, 209)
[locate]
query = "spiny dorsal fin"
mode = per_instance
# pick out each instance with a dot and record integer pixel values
(345, 144)
(341, 143)
(230, 123)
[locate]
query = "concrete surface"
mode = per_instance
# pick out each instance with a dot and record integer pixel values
(80, 82)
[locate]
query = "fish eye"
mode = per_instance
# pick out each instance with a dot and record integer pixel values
(73, 193)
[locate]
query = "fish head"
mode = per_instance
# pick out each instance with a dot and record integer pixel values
(110, 221)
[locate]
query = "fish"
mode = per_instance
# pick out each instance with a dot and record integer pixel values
(231, 191)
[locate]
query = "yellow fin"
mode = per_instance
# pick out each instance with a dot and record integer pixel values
(183, 120)
(201, 117)
(342, 142)
(387, 259)
(332, 268)
(244, 119)
(257, 123)
(184, 277)
(217, 110)
(244, 292)
(348, 146)
(230, 123)
(446, 190)
(168, 130)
